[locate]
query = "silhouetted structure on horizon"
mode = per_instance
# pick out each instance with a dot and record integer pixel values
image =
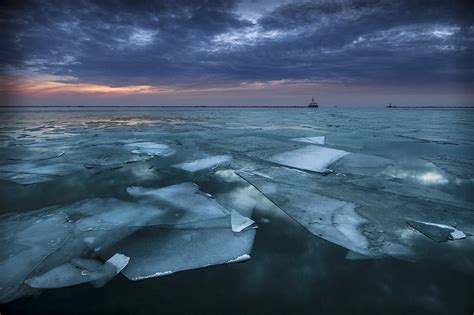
(313, 104)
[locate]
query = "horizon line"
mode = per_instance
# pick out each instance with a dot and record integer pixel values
(222, 106)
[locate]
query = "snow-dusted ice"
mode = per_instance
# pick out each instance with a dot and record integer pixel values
(312, 158)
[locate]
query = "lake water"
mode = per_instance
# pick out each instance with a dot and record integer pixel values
(333, 192)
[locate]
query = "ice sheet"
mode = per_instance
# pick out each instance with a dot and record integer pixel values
(383, 226)
(361, 164)
(41, 240)
(64, 276)
(111, 267)
(239, 222)
(34, 155)
(313, 140)
(169, 206)
(113, 214)
(407, 189)
(157, 252)
(250, 144)
(312, 158)
(80, 271)
(436, 231)
(44, 245)
(238, 199)
(25, 179)
(34, 172)
(29, 240)
(150, 148)
(455, 165)
(185, 202)
(334, 220)
(119, 261)
(204, 163)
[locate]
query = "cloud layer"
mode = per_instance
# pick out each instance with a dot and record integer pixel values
(202, 44)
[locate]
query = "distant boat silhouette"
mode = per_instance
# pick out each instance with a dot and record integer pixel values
(313, 104)
(390, 106)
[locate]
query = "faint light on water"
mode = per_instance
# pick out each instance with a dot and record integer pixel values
(432, 178)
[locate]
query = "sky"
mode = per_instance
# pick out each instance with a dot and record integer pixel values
(242, 52)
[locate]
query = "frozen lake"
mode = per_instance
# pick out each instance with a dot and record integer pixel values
(236, 210)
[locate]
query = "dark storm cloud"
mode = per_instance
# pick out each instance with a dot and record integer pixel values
(370, 14)
(209, 42)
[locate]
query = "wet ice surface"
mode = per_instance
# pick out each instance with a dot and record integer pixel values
(311, 158)
(437, 232)
(314, 140)
(204, 163)
(379, 200)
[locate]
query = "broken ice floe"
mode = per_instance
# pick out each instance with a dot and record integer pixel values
(165, 230)
(312, 158)
(150, 148)
(185, 202)
(430, 137)
(34, 172)
(461, 167)
(238, 199)
(227, 176)
(43, 162)
(313, 140)
(239, 222)
(204, 163)
(156, 252)
(371, 225)
(27, 241)
(250, 144)
(25, 179)
(34, 155)
(118, 213)
(407, 189)
(437, 232)
(80, 271)
(361, 164)
(331, 219)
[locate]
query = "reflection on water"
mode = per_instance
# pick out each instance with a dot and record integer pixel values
(432, 178)
(425, 173)
(290, 270)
